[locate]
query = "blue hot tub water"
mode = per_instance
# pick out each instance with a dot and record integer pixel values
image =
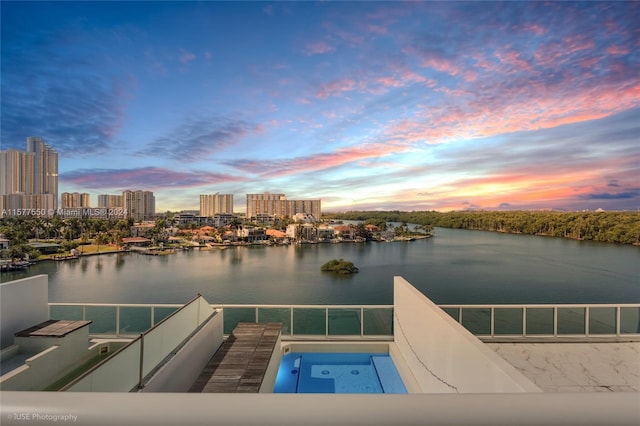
(317, 372)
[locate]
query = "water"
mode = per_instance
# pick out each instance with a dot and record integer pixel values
(454, 267)
(316, 372)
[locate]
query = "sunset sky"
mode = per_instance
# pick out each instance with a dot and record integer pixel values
(367, 106)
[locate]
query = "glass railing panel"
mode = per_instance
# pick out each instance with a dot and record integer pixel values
(377, 321)
(507, 321)
(103, 317)
(282, 315)
(134, 320)
(539, 321)
(71, 313)
(477, 320)
(629, 320)
(344, 322)
(453, 312)
(232, 316)
(602, 320)
(571, 320)
(309, 321)
(160, 313)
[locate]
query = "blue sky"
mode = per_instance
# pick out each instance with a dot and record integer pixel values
(365, 105)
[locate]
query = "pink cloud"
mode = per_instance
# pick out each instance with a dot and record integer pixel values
(312, 163)
(336, 87)
(318, 48)
(186, 57)
(153, 178)
(617, 50)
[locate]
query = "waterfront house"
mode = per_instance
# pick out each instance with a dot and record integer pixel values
(344, 232)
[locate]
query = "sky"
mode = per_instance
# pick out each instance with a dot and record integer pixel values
(364, 105)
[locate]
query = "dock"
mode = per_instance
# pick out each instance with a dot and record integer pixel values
(241, 362)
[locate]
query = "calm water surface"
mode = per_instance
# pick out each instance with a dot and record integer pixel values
(455, 266)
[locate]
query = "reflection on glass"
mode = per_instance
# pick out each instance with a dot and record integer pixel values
(477, 320)
(540, 321)
(507, 321)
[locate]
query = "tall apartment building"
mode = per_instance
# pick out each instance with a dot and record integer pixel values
(140, 205)
(45, 166)
(312, 207)
(212, 204)
(74, 199)
(29, 179)
(267, 203)
(109, 201)
(277, 205)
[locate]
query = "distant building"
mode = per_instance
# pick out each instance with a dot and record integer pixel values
(29, 179)
(75, 199)
(266, 204)
(110, 201)
(140, 205)
(278, 206)
(212, 204)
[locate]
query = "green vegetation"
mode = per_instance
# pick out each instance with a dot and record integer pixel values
(611, 227)
(339, 266)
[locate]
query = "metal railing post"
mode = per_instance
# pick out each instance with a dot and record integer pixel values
(493, 321)
(118, 321)
(141, 366)
(524, 321)
(586, 321)
(555, 321)
(361, 321)
(326, 322)
(291, 322)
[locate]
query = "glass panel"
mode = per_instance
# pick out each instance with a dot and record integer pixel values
(477, 320)
(232, 316)
(540, 321)
(103, 317)
(602, 320)
(378, 321)
(134, 320)
(309, 321)
(571, 321)
(161, 313)
(344, 322)
(282, 315)
(507, 321)
(630, 320)
(71, 313)
(453, 312)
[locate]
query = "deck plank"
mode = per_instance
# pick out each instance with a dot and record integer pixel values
(241, 362)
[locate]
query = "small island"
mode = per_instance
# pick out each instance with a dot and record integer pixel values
(339, 266)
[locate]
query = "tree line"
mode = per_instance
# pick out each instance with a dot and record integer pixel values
(610, 227)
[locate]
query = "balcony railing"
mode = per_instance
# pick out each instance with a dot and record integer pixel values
(298, 321)
(587, 321)
(488, 322)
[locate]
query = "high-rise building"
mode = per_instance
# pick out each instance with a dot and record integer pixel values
(74, 199)
(212, 204)
(267, 203)
(277, 205)
(140, 205)
(17, 172)
(29, 179)
(109, 201)
(45, 167)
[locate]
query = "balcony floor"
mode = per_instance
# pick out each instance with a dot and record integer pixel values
(576, 367)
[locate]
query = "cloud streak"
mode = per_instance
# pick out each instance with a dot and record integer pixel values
(147, 178)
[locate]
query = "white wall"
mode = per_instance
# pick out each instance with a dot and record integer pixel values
(442, 355)
(23, 304)
(184, 368)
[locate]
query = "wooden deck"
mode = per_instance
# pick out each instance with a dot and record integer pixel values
(241, 362)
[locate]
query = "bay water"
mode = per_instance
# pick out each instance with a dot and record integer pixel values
(453, 267)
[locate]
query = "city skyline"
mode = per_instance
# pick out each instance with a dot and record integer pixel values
(367, 106)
